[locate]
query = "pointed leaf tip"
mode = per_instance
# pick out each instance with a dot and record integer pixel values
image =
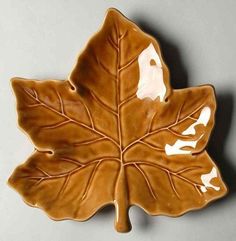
(113, 13)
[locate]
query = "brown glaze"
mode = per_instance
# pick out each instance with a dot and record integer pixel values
(97, 143)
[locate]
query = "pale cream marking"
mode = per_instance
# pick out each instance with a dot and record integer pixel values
(202, 119)
(206, 179)
(176, 148)
(151, 82)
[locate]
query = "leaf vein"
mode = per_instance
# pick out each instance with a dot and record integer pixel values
(71, 119)
(146, 180)
(171, 173)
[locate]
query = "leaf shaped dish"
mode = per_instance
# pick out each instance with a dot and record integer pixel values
(116, 133)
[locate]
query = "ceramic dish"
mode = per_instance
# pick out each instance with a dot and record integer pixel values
(116, 133)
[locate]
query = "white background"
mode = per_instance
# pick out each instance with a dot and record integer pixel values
(41, 39)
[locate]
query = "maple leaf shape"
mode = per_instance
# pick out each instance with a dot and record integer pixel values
(116, 133)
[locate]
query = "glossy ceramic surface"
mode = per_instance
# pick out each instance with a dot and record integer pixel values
(116, 133)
